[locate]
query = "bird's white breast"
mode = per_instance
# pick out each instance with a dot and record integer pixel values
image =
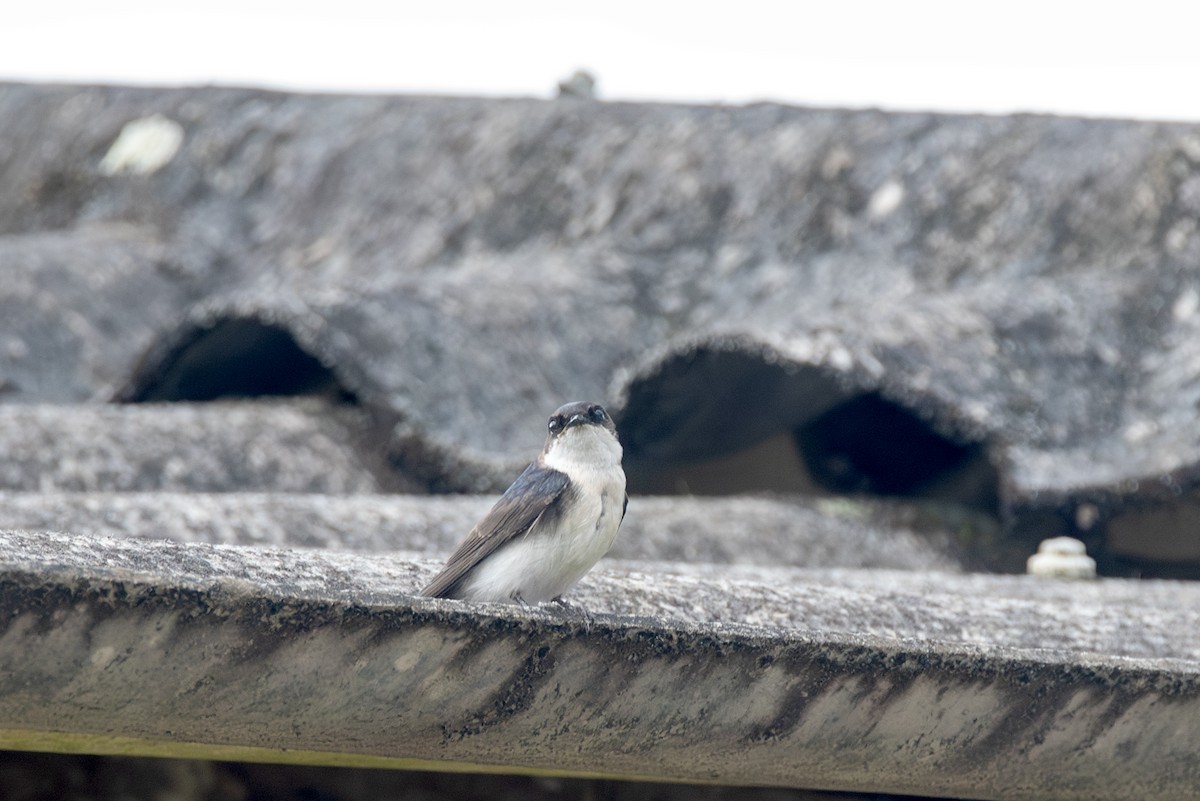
(548, 560)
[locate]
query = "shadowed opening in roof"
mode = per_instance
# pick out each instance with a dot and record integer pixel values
(233, 358)
(869, 444)
(720, 421)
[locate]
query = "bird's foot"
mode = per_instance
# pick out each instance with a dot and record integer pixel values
(572, 609)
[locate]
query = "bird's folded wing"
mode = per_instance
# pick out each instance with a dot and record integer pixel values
(535, 491)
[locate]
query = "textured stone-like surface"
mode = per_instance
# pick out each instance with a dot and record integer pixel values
(722, 276)
(78, 310)
(969, 686)
(756, 531)
(284, 447)
(996, 312)
(425, 232)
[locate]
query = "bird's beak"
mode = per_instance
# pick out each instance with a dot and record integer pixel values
(576, 419)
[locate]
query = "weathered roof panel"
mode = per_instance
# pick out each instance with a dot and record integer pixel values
(993, 274)
(982, 329)
(298, 446)
(747, 531)
(991, 687)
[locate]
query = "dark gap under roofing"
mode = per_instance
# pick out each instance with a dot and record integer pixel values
(724, 418)
(869, 444)
(719, 422)
(233, 358)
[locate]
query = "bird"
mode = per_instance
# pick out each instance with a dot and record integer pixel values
(552, 524)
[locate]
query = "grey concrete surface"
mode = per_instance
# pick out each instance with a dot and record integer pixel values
(993, 274)
(1023, 286)
(987, 316)
(281, 445)
(754, 531)
(968, 686)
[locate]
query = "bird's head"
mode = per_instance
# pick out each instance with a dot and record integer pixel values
(582, 430)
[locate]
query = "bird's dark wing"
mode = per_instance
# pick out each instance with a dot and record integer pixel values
(534, 491)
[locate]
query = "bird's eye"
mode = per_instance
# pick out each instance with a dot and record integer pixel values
(555, 424)
(597, 413)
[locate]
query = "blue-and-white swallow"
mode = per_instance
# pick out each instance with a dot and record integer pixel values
(552, 525)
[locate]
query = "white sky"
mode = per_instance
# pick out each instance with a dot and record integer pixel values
(1127, 60)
